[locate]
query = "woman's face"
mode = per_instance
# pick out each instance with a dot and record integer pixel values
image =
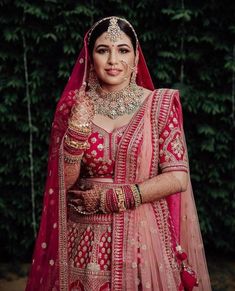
(113, 61)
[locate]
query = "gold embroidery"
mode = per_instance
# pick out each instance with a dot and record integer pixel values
(62, 247)
(93, 140)
(177, 146)
(100, 147)
(94, 153)
(89, 238)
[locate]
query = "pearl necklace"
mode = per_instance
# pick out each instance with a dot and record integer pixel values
(118, 103)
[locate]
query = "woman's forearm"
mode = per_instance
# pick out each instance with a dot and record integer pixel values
(76, 136)
(72, 172)
(163, 185)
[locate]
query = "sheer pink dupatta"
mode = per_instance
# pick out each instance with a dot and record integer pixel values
(155, 272)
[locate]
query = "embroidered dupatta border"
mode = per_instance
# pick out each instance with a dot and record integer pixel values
(121, 164)
(120, 219)
(62, 247)
(159, 98)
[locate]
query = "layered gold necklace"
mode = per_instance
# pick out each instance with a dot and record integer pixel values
(117, 103)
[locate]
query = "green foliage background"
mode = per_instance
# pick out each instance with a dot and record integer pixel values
(190, 46)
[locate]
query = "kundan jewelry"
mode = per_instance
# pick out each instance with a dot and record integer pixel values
(114, 31)
(118, 103)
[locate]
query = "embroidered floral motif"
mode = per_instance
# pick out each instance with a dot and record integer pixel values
(165, 133)
(175, 120)
(177, 147)
(161, 140)
(171, 126)
(100, 146)
(93, 140)
(105, 168)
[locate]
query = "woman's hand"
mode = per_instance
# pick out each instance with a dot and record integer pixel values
(75, 197)
(82, 112)
(85, 199)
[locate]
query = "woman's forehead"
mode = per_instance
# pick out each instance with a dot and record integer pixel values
(105, 40)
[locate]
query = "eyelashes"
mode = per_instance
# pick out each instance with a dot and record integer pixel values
(103, 51)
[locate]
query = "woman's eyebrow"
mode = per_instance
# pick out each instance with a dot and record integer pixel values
(107, 46)
(102, 45)
(123, 44)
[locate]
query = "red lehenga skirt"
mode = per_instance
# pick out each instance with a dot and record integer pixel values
(89, 251)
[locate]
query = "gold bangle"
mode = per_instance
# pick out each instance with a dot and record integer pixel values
(121, 199)
(81, 128)
(103, 201)
(136, 194)
(73, 159)
(75, 144)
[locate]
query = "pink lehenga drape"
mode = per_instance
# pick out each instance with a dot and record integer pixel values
(142, 254)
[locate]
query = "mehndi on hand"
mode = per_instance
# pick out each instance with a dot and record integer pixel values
(79, 128)
(114, 199)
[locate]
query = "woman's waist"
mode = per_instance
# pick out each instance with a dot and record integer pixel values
(98, 180)
(86, 183)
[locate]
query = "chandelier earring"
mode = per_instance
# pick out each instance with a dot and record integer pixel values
(133, 75)
(135, 70)
(92, 79)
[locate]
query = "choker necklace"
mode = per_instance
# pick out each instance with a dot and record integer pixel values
(118, 103)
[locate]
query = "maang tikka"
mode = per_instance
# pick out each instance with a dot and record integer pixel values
(113, 27)
(114, 32)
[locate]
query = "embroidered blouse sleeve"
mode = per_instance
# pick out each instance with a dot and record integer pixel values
(172, 150)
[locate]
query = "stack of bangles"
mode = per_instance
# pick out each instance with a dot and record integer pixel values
(116, 199)
(120, 198)
(75, 142)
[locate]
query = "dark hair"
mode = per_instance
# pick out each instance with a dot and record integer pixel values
(102, 27)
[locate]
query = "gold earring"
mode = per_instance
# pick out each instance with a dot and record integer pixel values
(92, 78)
(135, 70)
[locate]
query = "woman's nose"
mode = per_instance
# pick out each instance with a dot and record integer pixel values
(112, 58)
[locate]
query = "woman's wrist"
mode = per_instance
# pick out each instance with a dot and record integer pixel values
(73, 159)
(120, 198)
(75, 142)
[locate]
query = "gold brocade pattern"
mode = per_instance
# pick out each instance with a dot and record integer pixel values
(63, 255)
(89, 251)
(177, 146)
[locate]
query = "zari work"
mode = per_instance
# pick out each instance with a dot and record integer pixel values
(90, 239)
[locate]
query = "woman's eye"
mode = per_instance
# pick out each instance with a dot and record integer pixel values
(124, 51)
(102, 51)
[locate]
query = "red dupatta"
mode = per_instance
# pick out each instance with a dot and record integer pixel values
(49, 264)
